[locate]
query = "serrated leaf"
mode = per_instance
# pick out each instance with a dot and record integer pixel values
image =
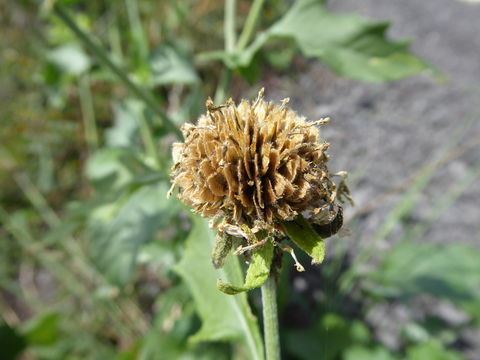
(348, 43)
(223, 317)
(306, 238)
(169, 65)
(257, 272)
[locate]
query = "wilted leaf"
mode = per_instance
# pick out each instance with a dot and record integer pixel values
(257, 272)
(171, 66)
(223, 317)
(306, 238)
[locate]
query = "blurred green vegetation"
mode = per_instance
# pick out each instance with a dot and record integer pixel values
(96, 263)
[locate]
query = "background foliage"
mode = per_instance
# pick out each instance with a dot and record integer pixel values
(95, 262)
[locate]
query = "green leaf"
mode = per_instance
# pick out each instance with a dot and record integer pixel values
(364, 353)
(111, 169)
(349, 44)
(118, 230)
(11, 343)
(43, 330)
(223, 317)
(257, 272)
(169, 65)
(432, 350)
(125, 130)
(306, 238)
(446, 271)
(329, 337)
(70, 58)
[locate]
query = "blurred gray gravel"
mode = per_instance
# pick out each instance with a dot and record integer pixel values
(384, 134)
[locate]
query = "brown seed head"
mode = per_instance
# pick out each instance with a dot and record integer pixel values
(255, 163)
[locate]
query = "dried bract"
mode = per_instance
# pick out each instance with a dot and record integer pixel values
(256, 164)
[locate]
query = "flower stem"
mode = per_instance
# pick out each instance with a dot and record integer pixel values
(250, 23)
(229, 25)
(270, 319)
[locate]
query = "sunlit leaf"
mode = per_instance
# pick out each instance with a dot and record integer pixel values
(432, 350)
(306, 238)
(257, 272)
(223, 317)
(70, 58)
(43, 330)
(347, 43)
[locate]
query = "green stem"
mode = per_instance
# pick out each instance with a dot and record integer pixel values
(250, 24)
(86, 103)
(106, 61)
(270, 319)
(229, 25)
(148, 139)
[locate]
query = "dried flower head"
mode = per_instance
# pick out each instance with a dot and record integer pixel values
(256, 164)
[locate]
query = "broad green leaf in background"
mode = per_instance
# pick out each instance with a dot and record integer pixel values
(119, 229)
(328, 338)
(446, 271)
(125, 130)
(257, 272)
(223, 317)
(432, 350)
(111, 169)
(70, 58)
(11, 342)
(349, 44)
(169, 65)
(43, 330)
(357, 352)
(305, 237)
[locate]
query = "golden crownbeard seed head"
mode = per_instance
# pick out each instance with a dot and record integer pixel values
(255, 163)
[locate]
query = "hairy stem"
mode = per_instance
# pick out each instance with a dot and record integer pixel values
(270, 319)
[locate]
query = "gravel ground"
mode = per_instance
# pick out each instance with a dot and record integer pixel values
(384, 134)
